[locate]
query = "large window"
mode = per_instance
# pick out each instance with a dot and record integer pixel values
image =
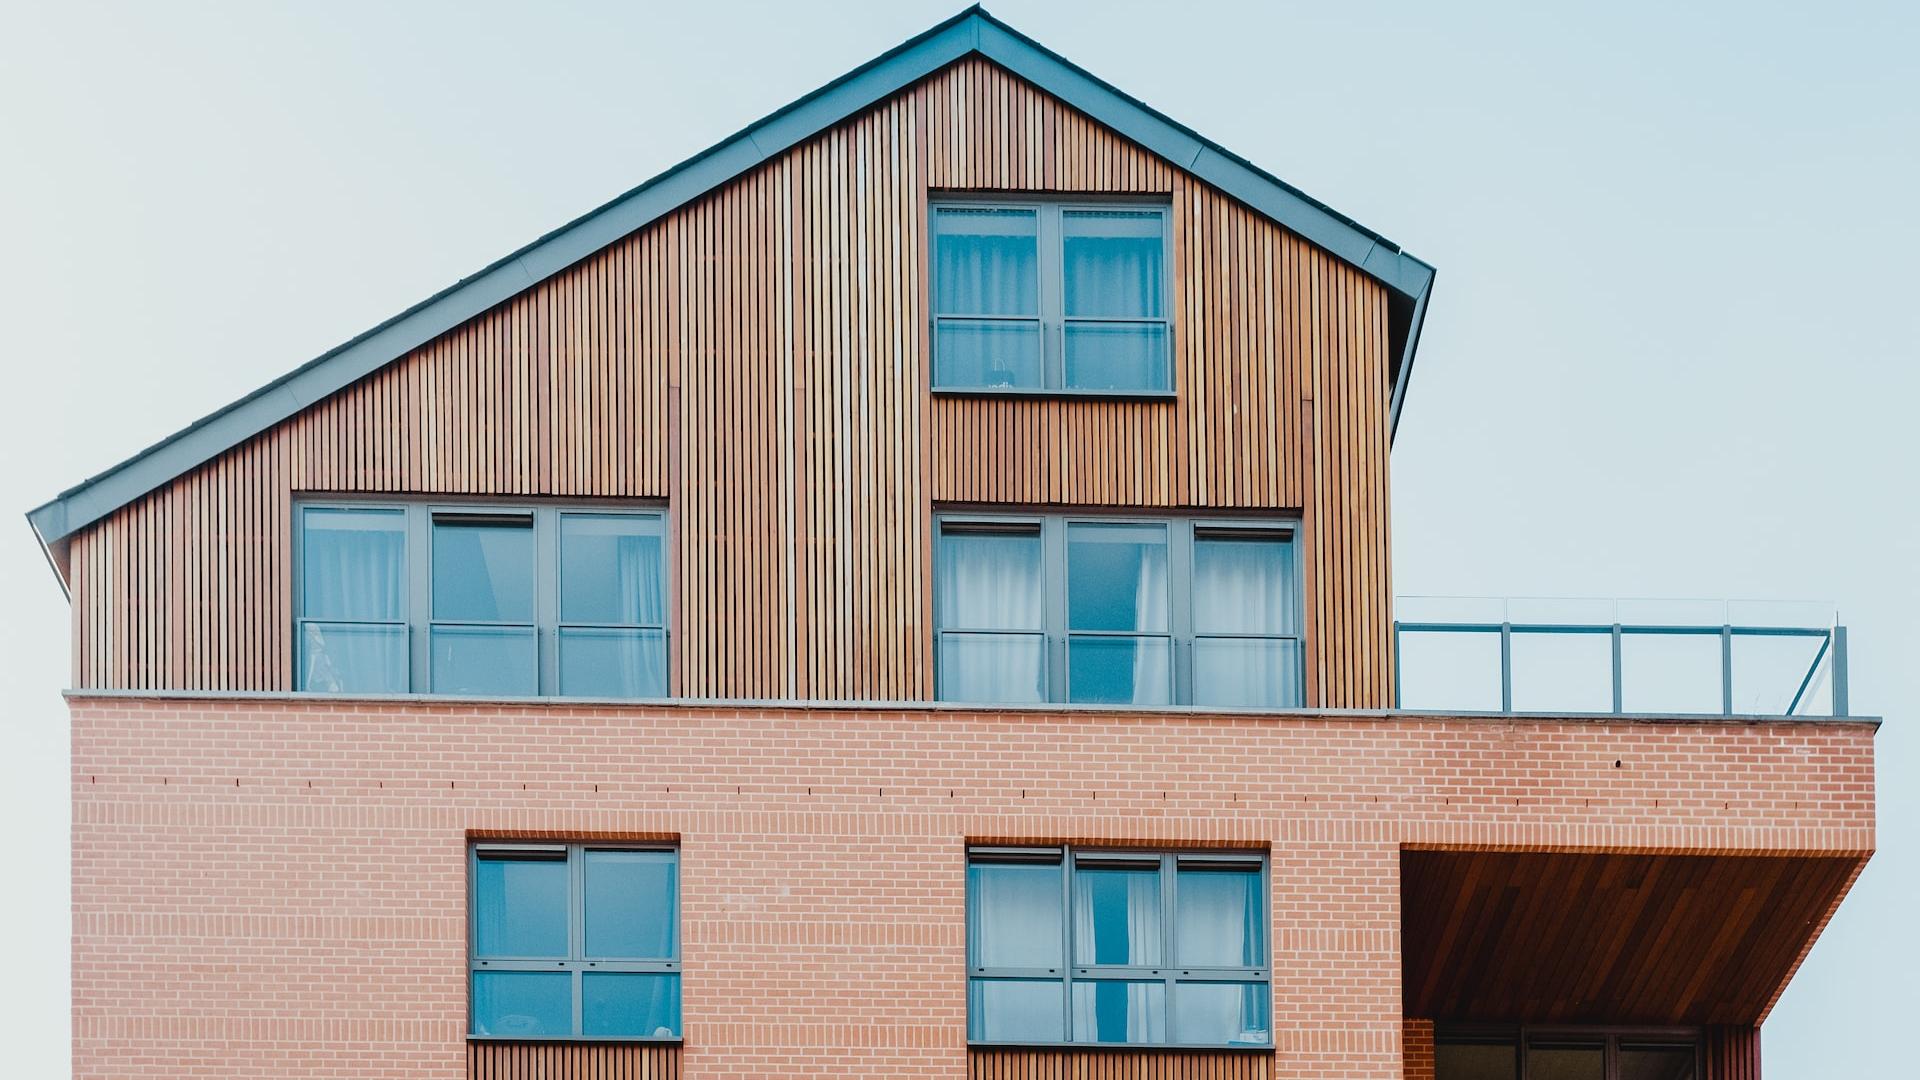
(574, 941)
(483, 600)
(1567, 1054)
(1118, 611)
(1088, 945)
(1050, 296)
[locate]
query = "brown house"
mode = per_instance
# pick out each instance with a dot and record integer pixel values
(903, 593)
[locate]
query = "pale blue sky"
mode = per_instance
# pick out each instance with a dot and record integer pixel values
(1672, 350)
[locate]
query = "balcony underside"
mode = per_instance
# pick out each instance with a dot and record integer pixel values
(1613, 938)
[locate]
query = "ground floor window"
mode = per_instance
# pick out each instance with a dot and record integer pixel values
(574, 941)
(1527, 1053)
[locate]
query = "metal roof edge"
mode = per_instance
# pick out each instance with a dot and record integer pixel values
(971, 30)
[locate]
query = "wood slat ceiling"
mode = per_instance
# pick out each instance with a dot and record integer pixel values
(1593, 937)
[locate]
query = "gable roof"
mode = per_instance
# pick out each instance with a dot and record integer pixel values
(1407, 280)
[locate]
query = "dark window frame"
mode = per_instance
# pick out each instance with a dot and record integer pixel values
(1169, 863)
(417, 615)
(1051, 316)
(1609, 1037)
(1183, 531)
(577, 963)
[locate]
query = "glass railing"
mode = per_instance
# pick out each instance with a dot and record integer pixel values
(1660, 657)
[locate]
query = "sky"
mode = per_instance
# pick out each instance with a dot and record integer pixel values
(1671, 350)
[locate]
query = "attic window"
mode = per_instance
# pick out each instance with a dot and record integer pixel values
(1050, 297)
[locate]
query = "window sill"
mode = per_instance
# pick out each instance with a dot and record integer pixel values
(1125, 1048)
(1053, 392)
(579, 1040)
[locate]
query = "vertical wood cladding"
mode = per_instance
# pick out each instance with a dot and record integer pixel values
(758, 360)
(572, 1061)
(1732, 1053)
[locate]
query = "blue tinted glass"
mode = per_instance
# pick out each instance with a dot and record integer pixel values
(490, 661)
(621, 1004)
(1116, 577)
(1117, 356)
(1015, 1011)
(632, 900)
(1221, 920)
(1255, 673)
(1112, 1011)
(520, 907)
(971, 353)
(1016, 914)
(1221, 1014)
(610, 570)
(353, 658)
(483, 572)
(1120, 670)
(522, 1003)
(601, 662)
(353, 564)
(986, 262)
(1113, 263)
(1116, 916)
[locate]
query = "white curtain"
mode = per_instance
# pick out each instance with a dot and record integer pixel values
(1245, 587)
(638, 582)
(991, 582)
(1129, 936)
(1219, 919)
(1113, 264)
(1152, 657)
(353, 569)
(1017, 915)
(986, 262)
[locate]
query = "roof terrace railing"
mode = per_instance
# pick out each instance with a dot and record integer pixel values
(1661, 657)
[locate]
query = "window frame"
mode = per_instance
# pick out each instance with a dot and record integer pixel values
(418, 618)
(576, 964)
(1183, 531)
(1611, 1038)
(1169, 973)
(1050, 269)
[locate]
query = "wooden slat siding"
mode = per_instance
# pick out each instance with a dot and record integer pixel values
(1732, 1053)
(572, 1061)
(1116, 1065)
(758, 359)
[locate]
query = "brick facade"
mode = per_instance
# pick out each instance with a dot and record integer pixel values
(276, 886)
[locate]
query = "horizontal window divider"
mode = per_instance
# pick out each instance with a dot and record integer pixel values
(645, 967)
(1121, 633)
(606, 626)
(520, 851)
(953, 317)
(1054, 392)
(1125, 1048)
(588, 1040)
(1016, 854)
(1135, 320)
(319, 621)
(990, 630)
(1245, 637)
(1037, 974)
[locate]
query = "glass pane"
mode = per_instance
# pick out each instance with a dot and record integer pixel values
(985, 261)
(1656, 1063)
(1244, 586)
(522, 1003)
(610, 570)
(1566, 1063)
(353, 564)
(1221, 920)
(1247, 672)
(631, 904)
(1475, 1061)
(1562, 672)
(1769, 671)
(1016, 915)
(1220, 1014)
(1112, 1011)
(1113, 263)
(1450, 670)
(1120, 670)
(1116, 576)
(613, 663)
(484, 660)
(353, 659)
(1117, 356)
(1015, 1011)
(1670, 673)
(1116, 915)
(520, 907)
(986, 354)
(990, 580)
(622, 1004)
(483, 572)
(1006, 669)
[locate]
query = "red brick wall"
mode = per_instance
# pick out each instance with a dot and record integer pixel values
(276, 887)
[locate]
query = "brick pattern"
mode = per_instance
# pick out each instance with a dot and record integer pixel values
(1416, 1049)
(275, 887)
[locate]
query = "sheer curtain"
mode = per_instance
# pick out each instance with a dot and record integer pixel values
(986, 262)
(1113, 264)
(353, 570)
(991, 582)
(639, 582)
(1116, 920)
(1152, 657)
(1245, 587)
(1219, 919)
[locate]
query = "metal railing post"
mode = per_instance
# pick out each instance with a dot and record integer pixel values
(1840, 671)
(1396, 663)
(1726, 670)
(1619, 698)
(1506, 667)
